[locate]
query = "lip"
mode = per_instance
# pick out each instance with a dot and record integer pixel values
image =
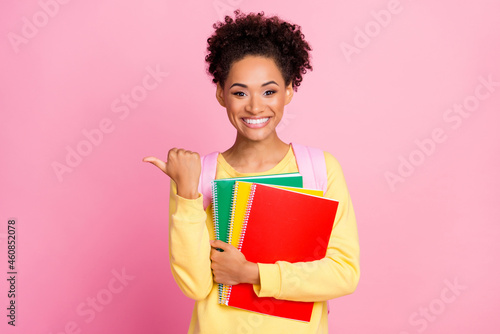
(256, 126)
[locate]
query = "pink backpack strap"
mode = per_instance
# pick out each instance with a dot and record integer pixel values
(312, 166)
(208, 169)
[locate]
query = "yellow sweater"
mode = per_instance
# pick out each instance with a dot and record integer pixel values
(336, 275)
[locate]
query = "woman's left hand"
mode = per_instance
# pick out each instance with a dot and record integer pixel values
(230, 266)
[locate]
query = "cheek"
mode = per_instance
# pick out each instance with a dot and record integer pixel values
(233, 105)
(278, 102)
(277, 105)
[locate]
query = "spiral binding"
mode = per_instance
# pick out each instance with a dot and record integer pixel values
(215, 208)
(226, 300)
(247, 214)
(242, 236)
(227, 288)
(233, 209)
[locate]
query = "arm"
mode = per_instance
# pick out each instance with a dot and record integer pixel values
(333, 276)
(189, 246)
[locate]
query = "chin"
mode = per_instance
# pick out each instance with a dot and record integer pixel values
(258, 138)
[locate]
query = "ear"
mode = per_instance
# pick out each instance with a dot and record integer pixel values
(288, 93)
(219, 94)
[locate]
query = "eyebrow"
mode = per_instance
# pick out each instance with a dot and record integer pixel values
(245, 86)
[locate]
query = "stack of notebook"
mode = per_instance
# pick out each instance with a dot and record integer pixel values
(271, 218)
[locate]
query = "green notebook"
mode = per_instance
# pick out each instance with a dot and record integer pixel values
(222, 197)
(222, 194)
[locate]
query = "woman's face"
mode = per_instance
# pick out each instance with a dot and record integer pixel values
(255, 96)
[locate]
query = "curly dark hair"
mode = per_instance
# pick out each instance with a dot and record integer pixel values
(255, 34)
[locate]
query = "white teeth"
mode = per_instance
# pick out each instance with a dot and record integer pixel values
(255, 121)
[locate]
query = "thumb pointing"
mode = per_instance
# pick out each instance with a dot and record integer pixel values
(157, 162)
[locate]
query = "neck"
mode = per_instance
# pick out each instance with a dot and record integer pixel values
(248, 156)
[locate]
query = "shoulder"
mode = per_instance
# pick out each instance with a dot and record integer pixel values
(331, 161)
(316, 156)
(334, 170)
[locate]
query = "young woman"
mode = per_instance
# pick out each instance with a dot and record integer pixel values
(257, 63)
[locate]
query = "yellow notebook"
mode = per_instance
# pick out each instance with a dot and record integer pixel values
(241, 196)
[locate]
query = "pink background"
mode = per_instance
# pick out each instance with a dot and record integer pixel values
(436, 225)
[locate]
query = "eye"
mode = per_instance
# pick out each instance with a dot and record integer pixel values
(269, 92)
(239, 93)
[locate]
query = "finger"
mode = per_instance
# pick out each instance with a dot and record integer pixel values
(219, 245)
(157, 162)
(213, 255)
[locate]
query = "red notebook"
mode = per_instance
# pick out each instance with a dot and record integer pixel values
(282, 225)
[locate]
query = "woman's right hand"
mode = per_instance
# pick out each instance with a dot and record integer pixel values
(184, 168)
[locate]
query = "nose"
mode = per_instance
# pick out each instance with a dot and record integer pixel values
(255, 104)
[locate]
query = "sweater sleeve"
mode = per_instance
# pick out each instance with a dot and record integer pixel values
(189, 246)
(337, 274)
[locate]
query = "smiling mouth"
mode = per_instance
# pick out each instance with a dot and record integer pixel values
(255, 120)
